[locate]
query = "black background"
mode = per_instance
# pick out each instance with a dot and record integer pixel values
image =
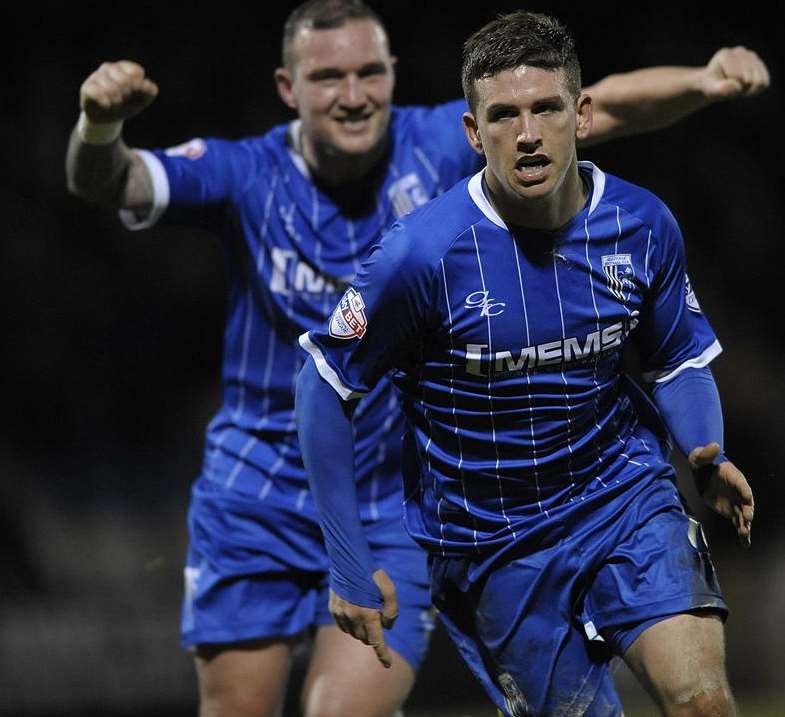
(112, 341)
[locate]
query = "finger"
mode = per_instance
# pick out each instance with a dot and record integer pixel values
(745, 536)
(117, 74)
(343, 623)
(748, 513)
(389, 597)
(376, 641)
(752, 70)
(149, 88)
(130, 69)
(106, 86)
(93, 89)
(703, 455)
(390, 611)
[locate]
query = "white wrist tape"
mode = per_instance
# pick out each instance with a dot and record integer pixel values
(98, 133)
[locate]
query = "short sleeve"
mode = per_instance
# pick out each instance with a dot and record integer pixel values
(674, 333)
(196, 174)
(380, 320)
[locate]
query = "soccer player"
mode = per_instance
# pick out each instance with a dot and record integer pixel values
(298, 209)
(536, 473)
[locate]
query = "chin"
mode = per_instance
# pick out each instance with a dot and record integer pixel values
(357, 145)
(534, 191)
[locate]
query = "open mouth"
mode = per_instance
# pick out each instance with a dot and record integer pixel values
(532, 168)
(354, 122)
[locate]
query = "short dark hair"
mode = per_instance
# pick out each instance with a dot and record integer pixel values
(323, 15)
(519, 38)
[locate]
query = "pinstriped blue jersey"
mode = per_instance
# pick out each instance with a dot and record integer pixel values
(292, 247)
(506, 344)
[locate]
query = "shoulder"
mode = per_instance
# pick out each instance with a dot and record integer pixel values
(420, 240)
(425, 119)
(639, 204)
(443, 220)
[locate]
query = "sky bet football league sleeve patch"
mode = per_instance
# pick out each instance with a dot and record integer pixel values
(348, 320)
(692, 300)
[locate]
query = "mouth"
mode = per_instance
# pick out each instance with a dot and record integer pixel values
(532, 169)
(355, 123)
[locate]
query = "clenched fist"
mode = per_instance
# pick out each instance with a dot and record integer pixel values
(116, 91)
(735, 72)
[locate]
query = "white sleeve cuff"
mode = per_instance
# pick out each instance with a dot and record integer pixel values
(326, 371)
(136, 220)
(698, 362)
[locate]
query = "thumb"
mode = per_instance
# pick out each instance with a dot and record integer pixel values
(703, 456)
(724, 88)
(387, 589)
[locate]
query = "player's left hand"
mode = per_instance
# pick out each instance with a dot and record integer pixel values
(724, 489)
(734, 72)
(365, 624)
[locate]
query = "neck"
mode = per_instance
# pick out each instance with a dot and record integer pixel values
(549, 212)
(334, 168)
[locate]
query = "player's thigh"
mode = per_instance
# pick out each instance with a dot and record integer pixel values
(517, 634)
(681, 662)
(345, 678)
(246, 679)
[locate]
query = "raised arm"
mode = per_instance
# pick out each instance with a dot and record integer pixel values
(656, 97)
(99, 166)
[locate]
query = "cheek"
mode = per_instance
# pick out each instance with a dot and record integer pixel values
(315, 102)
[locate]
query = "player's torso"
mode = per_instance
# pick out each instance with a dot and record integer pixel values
(295, 249)
(518, 399)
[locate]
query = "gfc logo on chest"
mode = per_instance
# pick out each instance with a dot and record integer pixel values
(487, 306)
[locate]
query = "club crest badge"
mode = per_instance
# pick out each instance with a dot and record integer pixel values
(406, 194)
(348, 320)
(619, 272)
(691, 299)
(193, 149)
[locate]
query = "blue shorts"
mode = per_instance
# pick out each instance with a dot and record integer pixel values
(539, 631)
(235, 592)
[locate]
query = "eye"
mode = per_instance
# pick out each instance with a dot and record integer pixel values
(547, 108)
(498, 114)
(326, 76)
(372, 71)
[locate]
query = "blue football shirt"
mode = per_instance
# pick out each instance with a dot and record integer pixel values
(291, 248)
(506, 345)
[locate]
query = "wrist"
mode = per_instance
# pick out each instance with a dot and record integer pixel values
(98, 132)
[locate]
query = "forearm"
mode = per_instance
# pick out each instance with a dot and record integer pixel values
(645, 100)
(104, 173)
(690, 406)
(327, 445)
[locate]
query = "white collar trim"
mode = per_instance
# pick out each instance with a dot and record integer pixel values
(478, 195)
(296, 149)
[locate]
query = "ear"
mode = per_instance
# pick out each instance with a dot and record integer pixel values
(285, 85)
(584, 113)
(472, 132)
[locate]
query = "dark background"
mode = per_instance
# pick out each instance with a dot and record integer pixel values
(112, 341)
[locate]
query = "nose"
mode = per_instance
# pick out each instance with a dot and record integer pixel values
(352, 95)
(529, 136)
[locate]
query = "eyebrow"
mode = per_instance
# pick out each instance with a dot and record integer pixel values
(501, 106)
(323, 73)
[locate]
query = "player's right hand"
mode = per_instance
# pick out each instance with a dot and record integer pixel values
(116, 91)
(724, 489)
(365, 624)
